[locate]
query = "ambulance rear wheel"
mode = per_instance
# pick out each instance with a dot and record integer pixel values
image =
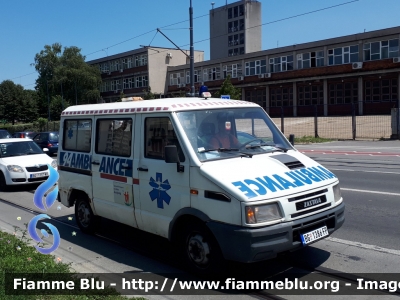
(84, 216)
(200, 250)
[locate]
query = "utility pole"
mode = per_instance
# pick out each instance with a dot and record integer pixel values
(191, 51)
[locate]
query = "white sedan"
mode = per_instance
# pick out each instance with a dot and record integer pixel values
(22, 161)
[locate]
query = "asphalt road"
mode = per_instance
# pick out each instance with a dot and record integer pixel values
(367, 243)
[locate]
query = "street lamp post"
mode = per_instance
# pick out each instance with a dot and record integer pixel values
(191, 51)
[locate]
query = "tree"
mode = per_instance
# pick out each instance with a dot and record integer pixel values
(29, 111)
(65, 73)
(227, 88)
(57, 105)
(148, 94)
(11, 100)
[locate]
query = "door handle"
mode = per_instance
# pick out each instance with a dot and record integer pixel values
(142, 169)
(95, 163)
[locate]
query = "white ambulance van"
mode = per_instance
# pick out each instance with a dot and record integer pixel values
(215, 177)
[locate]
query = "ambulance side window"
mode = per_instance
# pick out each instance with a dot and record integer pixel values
(77, 135)
(114, 137)
(159, 133)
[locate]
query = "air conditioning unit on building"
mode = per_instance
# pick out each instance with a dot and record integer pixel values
(267, 75)
(169, 55)
(116, 92)
(108, 73)
(121, 70)
(181, 85)
(357, 65)
(396, 59)
(241, 78)
(261, 76)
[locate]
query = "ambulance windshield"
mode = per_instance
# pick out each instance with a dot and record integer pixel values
(226, 133)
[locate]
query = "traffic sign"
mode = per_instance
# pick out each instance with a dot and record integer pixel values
(225, 97)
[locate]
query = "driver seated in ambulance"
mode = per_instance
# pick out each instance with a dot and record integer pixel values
(224, 137)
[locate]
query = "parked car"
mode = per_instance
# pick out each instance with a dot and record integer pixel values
(24, 134)
(22, 161)
(47, 140)
(4, 134)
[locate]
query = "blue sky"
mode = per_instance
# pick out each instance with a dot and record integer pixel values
(26, 26)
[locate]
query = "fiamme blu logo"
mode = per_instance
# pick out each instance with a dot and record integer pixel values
(44, 205)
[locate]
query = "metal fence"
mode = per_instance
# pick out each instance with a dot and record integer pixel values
(343, 122)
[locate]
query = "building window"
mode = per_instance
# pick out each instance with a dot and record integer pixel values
(381, 89)
(127, 63)
(256, 96)
(281, 96)
(343, 55)
(141, 81)
(256, 67)
(310, 95)
(115, 85)
(106, 86)
(196, 75)
(115, 65)
(343, 92)
(230, 11)
(177, 78)
(241, 10)
(234, 70)
(237, 39)
(381, 50)
(280, 64)
(104, 67)
(211, 74)
(310, 60)
(129, 83)
(141, 60)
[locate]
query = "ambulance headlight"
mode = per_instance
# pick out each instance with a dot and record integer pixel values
(336, 192)
(262, 213)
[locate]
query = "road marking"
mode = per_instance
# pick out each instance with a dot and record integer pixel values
(350, 170)
(371, 192)
(364, 246)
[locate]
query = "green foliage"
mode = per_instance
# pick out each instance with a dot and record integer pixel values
(41, 122)
(227, 88)
(148, 94)
(65, 73)
(11, 100)
(57, 105)
(310, 139)
(18, 256)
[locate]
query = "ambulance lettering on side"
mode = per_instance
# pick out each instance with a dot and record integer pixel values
(253, 188)
(116, 166)
(76, 160)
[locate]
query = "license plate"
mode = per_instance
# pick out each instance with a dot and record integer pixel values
(314, 235)
(37, 175)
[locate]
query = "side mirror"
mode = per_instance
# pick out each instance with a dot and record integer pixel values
(291, 139)
(45, 150)
(171, 156)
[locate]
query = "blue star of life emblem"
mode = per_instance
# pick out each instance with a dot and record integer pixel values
(159, 190)
(70, 133)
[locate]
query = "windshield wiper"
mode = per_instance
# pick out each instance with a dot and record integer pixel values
(219, 150)
(267, 144)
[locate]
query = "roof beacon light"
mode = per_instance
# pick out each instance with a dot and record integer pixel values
(206, 95)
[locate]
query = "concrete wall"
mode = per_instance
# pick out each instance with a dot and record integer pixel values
(159, 60)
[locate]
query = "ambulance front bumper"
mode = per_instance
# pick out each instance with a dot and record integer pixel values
(242, 244)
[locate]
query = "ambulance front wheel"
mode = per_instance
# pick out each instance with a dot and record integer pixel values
(84, 216)
(201, 250)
